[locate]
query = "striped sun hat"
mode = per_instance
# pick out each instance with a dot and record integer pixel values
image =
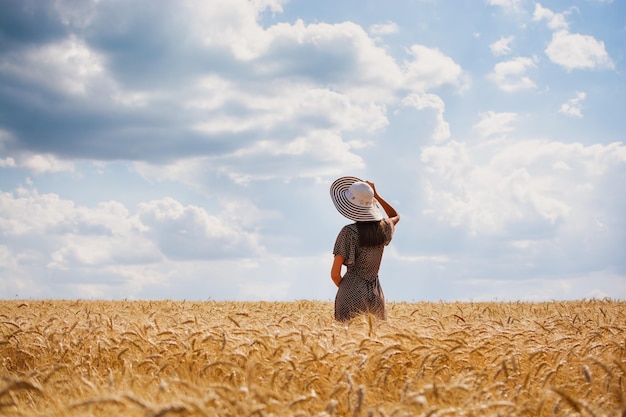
(354, 199)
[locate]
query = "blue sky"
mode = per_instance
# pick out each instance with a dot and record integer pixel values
(184, 150)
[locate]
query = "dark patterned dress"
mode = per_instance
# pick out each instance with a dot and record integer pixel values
(359, 290)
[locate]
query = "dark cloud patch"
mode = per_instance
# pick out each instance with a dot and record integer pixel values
(323, 62)
(75, 97)
(24, 22)
(145, 45)
(154, 45)
(80, 127)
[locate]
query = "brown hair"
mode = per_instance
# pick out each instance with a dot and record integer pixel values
(372, 233)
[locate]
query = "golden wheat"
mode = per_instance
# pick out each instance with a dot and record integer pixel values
(167, 358)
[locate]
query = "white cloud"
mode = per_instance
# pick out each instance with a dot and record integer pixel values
(71, 236)
(318, 154)
(81, 235)
(571, 50)
(284, 112)
(25, 211)
(189, 232)
(495, 124)
(432, 101)
(509, 5)
(50, 247)
(555, 20)
(39, 163)
(287, 85)
(573, 106)
(510, 76)
(386, 28)
(502, 46)
(16, 279)
(288, 104)
(7, 163)
(575, 51)
(68, 66)
(392, 252)
(276, 6)
(431, 68)
(232, 25)
(342, 55)
(538, 189)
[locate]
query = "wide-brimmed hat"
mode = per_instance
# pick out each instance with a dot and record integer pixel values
(354, 199)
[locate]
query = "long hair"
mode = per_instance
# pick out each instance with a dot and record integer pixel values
(372, 233)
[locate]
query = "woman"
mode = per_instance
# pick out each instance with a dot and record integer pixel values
(359, 246)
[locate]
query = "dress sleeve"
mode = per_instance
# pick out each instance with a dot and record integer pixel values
(346, 244)
(389, 229)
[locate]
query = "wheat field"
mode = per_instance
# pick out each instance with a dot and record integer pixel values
(169, 358)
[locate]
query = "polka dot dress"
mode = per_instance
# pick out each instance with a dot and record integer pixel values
(359, 290)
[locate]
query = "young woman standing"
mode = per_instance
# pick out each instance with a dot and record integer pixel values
(359, 246)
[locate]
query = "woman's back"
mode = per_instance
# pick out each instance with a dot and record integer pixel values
(363, 261)
(360, 290)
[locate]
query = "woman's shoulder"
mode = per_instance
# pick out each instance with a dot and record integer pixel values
(349, 229)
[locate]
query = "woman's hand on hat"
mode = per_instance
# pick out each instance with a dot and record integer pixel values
(371, 184)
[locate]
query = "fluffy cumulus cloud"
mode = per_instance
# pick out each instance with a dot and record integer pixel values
(228, 79)
(495, 124)
(239, 99)
(67, 67)
(544, 200)
(502, 46)
(108, 242)
(386, 28)
(429, 67)
(441, 131)
(554, 20)
(38, 163)
(509, 5)
(576, 51)
(510, 76)
(189, 232)
(573, 106)
(571, 50)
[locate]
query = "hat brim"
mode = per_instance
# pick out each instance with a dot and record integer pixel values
(348, 209)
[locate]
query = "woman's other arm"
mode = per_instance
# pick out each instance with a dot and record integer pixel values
(335, 271)
(391, 212)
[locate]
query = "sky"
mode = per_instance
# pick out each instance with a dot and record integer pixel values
(153, 149)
